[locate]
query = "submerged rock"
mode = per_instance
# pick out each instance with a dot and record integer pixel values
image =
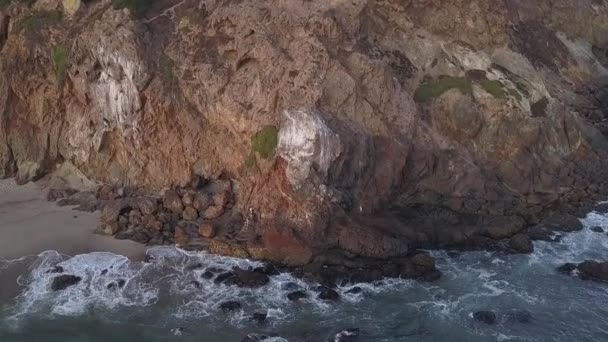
(487, 317)
(567, 268)
(259, 317)
(62, 282)
(593, 270)
(55, 269)
(587, 270)
(326, 293)
(521, 243)
(230, 306)
(297, 295)
(597, 229)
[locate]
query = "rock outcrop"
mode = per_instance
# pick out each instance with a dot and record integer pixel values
(367, 127)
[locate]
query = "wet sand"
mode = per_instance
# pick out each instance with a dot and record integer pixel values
(29, 224)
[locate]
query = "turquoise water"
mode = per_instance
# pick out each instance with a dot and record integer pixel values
(162, 295)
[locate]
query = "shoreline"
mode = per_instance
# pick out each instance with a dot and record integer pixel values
(30, 225)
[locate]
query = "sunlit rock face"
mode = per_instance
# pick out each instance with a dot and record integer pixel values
(475, 111)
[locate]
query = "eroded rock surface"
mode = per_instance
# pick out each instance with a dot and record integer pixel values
(366, 127)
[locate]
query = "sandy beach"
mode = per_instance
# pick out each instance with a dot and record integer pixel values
(29, 224)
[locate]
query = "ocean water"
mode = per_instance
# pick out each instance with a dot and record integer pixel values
(533, 302)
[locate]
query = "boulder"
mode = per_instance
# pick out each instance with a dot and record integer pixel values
(487, 317)
(190, 214)
(297, 295)
(201, 201)
(593, 270)
(230, 306)
(521, 243)
(213, 212)
(147, 205)
(247, 278)
(567, 269)
(597, 229)
(206, 230)
(563, 222)
(259, 317)
(187, 198)
(354, 290)
(64, 281)
(326, 293)
(173, 202)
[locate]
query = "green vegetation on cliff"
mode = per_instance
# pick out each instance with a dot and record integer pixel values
(493, 87)
(265, 141)
(435, 88)
(60, 59)
(138, 7)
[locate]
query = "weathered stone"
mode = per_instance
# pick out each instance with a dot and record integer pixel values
(230, 306)
(521, 243)
(259, 317)
(326, 293)
(181, 236)
(201, 201)
(487, 317)
(62, 282)
(190, 214)
(206, 230)
(212, 213)
(188, 199)
(173, 202)
(297, 295)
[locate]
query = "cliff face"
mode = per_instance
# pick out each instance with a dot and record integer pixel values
(365, 126)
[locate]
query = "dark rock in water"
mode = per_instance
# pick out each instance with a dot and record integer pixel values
(259, 317)
(566, 268)
(230, 306)
(487, 317)
(355, 290)
(247, 278)
(193, 267)
(597, 229)
(62, 282)
(454, 254)
(521, 243)
(519, 316)
(268, 270)
(326, 293)
(116, 285)
(290, 286)
(207, 275)
(104, 271)
(543, 233)
(148, 258)
(348, 335)
(563, 223)
(223, 277)
(593, 270)
(297, 295)
(56, 269)
(601, 208)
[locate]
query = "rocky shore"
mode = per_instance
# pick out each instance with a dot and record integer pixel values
(330, 137)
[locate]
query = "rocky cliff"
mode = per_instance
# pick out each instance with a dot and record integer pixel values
(365, 127)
